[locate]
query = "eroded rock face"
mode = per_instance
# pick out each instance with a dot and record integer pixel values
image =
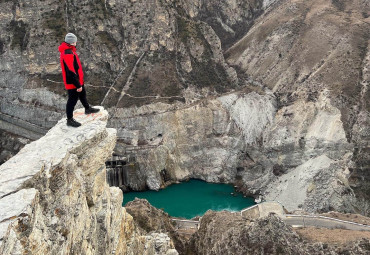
(165, 71)
(205, 140)
(150, 219)
(228, 233)
(297, 155)
(234, 236)
(54, 198)
(10, 144)
(311, 157)
(132, 51)
(302, 50)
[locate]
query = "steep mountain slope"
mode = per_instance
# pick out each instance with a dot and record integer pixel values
(269, 95)
(302, 49)
(133, 53)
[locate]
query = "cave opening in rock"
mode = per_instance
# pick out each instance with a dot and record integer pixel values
(193, 198)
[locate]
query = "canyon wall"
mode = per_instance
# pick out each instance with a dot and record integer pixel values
(271, 96)
(54, 198)
(298, 155)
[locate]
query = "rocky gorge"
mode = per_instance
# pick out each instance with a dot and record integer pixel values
(195, 92)
(54, 199)
(271, 96)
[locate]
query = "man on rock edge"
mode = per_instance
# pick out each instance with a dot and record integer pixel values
(73, 78)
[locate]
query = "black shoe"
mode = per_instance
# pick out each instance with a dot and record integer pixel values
(91, 110)
(73, 123)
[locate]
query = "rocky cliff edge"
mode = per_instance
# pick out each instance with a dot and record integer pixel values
(54, 198)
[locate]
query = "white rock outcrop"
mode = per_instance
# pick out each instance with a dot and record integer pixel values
(54, 198)
(251, 113)
(308, 142)
(203, 140)
(296, 153)
(290, 190)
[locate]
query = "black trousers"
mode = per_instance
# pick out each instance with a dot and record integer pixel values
(73, 97)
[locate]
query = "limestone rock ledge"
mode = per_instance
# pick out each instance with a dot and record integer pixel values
(54, 198)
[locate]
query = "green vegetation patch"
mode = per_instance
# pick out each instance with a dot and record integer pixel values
(339, 4)
(100, 83)
(206, 72)
(155, 76)
(20, 37)
(187, 29)
(209, 74)
(55, 21)
(1, 47)
(107, 39)
(100, 10)
(95, 94)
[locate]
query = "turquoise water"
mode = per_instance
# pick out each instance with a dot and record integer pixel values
(193, 198)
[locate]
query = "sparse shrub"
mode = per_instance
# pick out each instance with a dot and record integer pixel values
(20, 36)
(55, 21)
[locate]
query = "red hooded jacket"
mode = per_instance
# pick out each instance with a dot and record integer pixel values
(73, 75)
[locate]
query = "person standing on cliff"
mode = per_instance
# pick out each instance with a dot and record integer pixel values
(73, 78)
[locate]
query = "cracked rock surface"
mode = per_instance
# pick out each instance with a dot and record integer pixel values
(55, 199)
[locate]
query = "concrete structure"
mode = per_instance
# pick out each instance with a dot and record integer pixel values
(263, 210)
(323, 222)
(186, 224)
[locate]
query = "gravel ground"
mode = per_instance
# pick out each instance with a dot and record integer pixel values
(332, 236)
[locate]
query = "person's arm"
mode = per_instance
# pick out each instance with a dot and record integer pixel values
(71, 75)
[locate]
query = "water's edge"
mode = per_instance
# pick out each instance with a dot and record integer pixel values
(193, 198)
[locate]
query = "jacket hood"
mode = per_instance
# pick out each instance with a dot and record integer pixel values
(65, 46)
